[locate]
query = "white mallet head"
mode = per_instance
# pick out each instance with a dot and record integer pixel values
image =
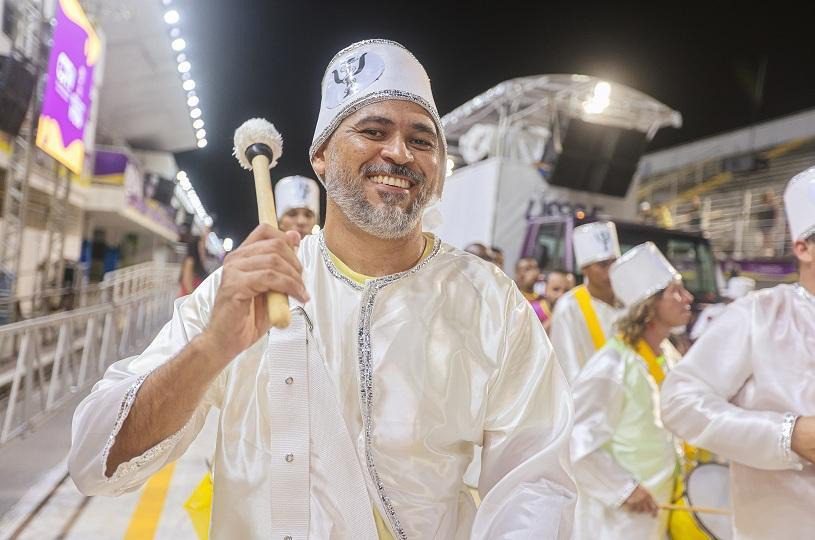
(257, 137)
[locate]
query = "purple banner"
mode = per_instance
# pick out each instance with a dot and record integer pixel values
(109, 162)
(67, 101)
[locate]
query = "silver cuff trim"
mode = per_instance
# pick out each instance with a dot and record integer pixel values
(129, 467)
(785, 439)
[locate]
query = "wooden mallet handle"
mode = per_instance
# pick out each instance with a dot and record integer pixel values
(260, 155)
(697, 509)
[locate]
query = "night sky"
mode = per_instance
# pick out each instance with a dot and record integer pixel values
(266, 58)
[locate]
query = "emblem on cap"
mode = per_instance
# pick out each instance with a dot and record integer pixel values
(351, 75)
(304, 188)
(605, 238)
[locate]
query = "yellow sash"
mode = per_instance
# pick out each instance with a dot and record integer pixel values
(598, 337)
(651, 361)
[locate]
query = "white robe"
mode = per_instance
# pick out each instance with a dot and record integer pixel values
(570, 335)
(737, 392)
(705, 319)
(405, 376)
(619, 442)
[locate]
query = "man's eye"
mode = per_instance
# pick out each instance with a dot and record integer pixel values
(372, 132)
(423, 143)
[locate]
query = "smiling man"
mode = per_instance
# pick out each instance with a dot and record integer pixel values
(359, 420)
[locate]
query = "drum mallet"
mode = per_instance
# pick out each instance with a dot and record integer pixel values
(698, 509)
(258, 146)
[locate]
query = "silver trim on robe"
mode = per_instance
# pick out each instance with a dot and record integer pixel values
(366, 378)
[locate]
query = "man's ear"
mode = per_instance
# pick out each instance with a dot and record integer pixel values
(318, 162)
(804, 251)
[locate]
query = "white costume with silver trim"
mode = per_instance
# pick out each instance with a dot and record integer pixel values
(737, 393)
(741, 387)
(392, 385)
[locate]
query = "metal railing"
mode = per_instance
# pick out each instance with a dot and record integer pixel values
(47, 360)
(115, 285)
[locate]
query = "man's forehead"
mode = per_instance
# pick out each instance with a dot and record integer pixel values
(396, 111)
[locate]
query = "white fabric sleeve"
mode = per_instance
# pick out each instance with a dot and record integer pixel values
(599, 396)
(525, 484)
(696, 398)
(99, 417)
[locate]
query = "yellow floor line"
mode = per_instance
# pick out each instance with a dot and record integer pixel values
(145, 518)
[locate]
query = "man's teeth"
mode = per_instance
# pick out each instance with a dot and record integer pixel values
(391, 181)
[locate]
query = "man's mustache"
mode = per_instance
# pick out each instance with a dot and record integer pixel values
(387, 169)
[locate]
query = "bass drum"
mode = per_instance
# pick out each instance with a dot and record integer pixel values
(705, 485)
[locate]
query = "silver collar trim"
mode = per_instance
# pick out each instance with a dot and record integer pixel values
(365, 365)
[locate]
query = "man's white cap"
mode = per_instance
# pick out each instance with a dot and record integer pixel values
(639, 274)
(799, 202)
(296, 192)
(368, 72)
(739, 286)
(595, 242)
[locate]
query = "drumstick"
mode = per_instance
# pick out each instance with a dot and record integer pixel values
(699, 509)
(258, 146)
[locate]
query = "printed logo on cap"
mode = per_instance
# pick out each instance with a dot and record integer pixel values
(604, 236)
(304, 188)
(352, 75)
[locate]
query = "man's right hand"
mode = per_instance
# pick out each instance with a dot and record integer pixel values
(264, 262)
(641, 501)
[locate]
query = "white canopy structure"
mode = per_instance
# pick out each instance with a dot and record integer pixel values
(517, 117)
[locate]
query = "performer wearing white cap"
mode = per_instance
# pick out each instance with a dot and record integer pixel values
(745, 391)
(624, 460)
(737, 287)
(583, 317)
(360, 418)
(297, 201)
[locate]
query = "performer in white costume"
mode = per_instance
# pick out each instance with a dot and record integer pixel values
(583, 318)
(746, 391)
(624, 460)
(297, 201)
(737, 287)
(359, 420)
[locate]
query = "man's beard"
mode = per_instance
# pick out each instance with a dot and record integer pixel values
(387, 220)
